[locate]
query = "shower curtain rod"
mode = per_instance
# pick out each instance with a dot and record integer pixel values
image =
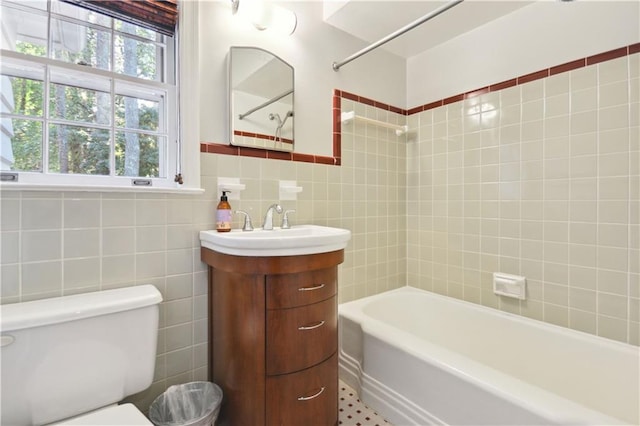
(264, 104)
(336, 65)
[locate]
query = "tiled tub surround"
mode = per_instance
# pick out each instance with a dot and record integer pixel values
(541, 180)
(535, 176)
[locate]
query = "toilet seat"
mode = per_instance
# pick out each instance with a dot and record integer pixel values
(125, 414)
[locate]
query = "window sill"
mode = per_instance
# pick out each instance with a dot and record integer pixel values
(97, 188)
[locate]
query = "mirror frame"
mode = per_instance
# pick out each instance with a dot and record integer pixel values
(253, 139)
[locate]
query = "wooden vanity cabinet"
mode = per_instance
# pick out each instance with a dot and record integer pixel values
(273, 338)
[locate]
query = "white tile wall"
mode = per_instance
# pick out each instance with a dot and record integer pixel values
(547, 187)
(58, 243)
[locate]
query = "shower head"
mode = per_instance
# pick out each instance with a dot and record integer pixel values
(287, 115)
(276, 117)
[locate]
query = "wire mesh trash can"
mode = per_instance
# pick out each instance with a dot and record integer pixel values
(189, 404)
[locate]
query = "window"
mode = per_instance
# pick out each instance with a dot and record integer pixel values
(86, 99)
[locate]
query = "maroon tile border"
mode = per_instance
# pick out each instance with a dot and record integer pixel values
(366, 101)
(216, 148)
(252, 152)
(325, 160)
(533, 76)
(260, 136)
(607, 56)
(569, 66)
(453, 99)
(503, 85)
(279, 155)
(305, 158)
(477, 92)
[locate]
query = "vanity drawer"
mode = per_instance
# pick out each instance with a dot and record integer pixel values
(301, 337)
(290, 290)
(308, 397)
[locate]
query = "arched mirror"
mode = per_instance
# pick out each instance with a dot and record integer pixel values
(260, 99)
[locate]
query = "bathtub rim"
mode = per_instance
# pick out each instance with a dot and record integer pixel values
(540, 401)
(511, 316)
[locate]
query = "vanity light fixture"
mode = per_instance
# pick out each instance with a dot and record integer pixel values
(264, 15)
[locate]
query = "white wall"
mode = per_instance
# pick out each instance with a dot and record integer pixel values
(311, 50)
(533, 38)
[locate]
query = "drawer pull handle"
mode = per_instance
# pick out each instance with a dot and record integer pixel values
(306, 398)
(311, 327)
(318, 287)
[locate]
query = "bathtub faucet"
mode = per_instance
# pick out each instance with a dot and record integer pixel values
(268, 217)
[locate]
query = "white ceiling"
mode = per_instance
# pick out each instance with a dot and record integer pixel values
(372, 20)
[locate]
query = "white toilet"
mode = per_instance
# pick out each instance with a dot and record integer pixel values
(69, 360)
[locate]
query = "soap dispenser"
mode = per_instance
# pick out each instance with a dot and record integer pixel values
(223, 214)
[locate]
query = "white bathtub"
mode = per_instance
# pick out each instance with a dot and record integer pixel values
(420, 358)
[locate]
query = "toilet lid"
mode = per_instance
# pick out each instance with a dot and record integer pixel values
(125, 414)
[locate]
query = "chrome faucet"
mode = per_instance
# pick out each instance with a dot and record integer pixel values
(247, 220)
(268, 217)
(285, 219)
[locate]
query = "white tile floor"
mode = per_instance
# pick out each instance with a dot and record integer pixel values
(353, 412)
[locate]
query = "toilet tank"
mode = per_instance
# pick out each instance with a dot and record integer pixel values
(64, 356)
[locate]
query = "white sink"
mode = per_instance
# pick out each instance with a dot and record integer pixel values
(299, 239)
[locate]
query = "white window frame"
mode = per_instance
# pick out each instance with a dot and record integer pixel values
(183, 146)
